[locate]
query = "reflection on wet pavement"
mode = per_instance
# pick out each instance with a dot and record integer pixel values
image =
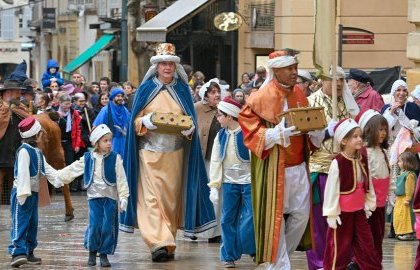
(60, 245)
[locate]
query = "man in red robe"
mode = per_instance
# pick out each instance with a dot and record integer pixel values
(280, 184)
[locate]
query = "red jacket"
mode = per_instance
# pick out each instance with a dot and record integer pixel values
(76, 130)
(370, 99)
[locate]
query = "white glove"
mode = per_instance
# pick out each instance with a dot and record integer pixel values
(123, 204)
(331, 126)
(271, 137)
(53, 79)
(333, 221)
(188, 132)
(286, 133)
(368, 213)
(147, 122)
(214, 195)
(280, 134)
(316, 137)
(21, 199)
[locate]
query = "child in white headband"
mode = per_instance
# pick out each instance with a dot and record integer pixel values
(348, 203)
(106, 184)
(230, 174)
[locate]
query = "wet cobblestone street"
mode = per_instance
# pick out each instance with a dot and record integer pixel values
(60, 245)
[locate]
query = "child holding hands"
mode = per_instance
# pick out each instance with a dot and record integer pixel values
(106, 184)
(348, 203)
(30, 163)
(230, 171)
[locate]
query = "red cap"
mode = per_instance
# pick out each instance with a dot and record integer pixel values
(26, 124)
(339, 123)
(232, 101)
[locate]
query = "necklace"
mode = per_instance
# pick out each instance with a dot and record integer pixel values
(350, 156)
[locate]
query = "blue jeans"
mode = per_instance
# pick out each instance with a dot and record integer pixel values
(237, 222)
(24, 231)
(102, 232)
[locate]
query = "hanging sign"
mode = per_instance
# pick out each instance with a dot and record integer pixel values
(227, 21)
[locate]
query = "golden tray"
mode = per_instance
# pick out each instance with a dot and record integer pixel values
(305, 119)
(170, 123)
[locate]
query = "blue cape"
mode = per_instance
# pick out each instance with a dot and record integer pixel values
(198, 210)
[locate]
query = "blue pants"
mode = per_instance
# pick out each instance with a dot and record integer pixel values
(237, 222)
(24, 229)
(102, 232)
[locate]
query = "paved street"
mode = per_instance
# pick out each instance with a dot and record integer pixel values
(61, 246)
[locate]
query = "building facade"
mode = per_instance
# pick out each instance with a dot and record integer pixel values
(273, 25)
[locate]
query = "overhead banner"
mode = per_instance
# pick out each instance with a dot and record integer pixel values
(324, 37)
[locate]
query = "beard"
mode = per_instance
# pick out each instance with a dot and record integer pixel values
(119, 101)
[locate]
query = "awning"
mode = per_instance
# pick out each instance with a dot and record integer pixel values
(155, 29)
(93, 50)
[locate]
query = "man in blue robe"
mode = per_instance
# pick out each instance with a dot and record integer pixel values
(116, 116)
(165, 172)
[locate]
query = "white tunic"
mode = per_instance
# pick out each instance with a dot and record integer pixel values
(98, 188)
(231, 170)
(23, 183)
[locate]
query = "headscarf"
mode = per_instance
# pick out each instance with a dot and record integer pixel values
(396, 85)
(205, 87)
(115, 92)
(351, 104)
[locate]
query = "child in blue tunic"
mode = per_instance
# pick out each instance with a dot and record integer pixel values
(29, 165)
(230, 170)
(106, 184)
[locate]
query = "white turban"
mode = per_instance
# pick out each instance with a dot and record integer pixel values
(278, 62)
(343, 128)
(98, 132)
(366, 116)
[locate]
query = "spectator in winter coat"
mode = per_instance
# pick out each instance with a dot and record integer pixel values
(52, 74)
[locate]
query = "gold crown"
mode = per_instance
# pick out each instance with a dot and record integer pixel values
(165, 49)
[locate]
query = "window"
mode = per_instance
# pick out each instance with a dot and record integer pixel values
(7, 18)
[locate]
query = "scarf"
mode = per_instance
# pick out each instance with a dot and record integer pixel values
(68, 118)
(120, 118)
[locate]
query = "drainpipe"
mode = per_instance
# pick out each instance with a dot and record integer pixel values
(124, 43)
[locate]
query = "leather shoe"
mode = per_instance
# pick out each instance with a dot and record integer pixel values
(160, 255)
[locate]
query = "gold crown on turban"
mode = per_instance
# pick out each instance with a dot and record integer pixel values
(165, 49)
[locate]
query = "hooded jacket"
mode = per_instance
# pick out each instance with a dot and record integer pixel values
(47, 75)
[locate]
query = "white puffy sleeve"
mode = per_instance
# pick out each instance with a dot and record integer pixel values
(331, 207)
(122, 185)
